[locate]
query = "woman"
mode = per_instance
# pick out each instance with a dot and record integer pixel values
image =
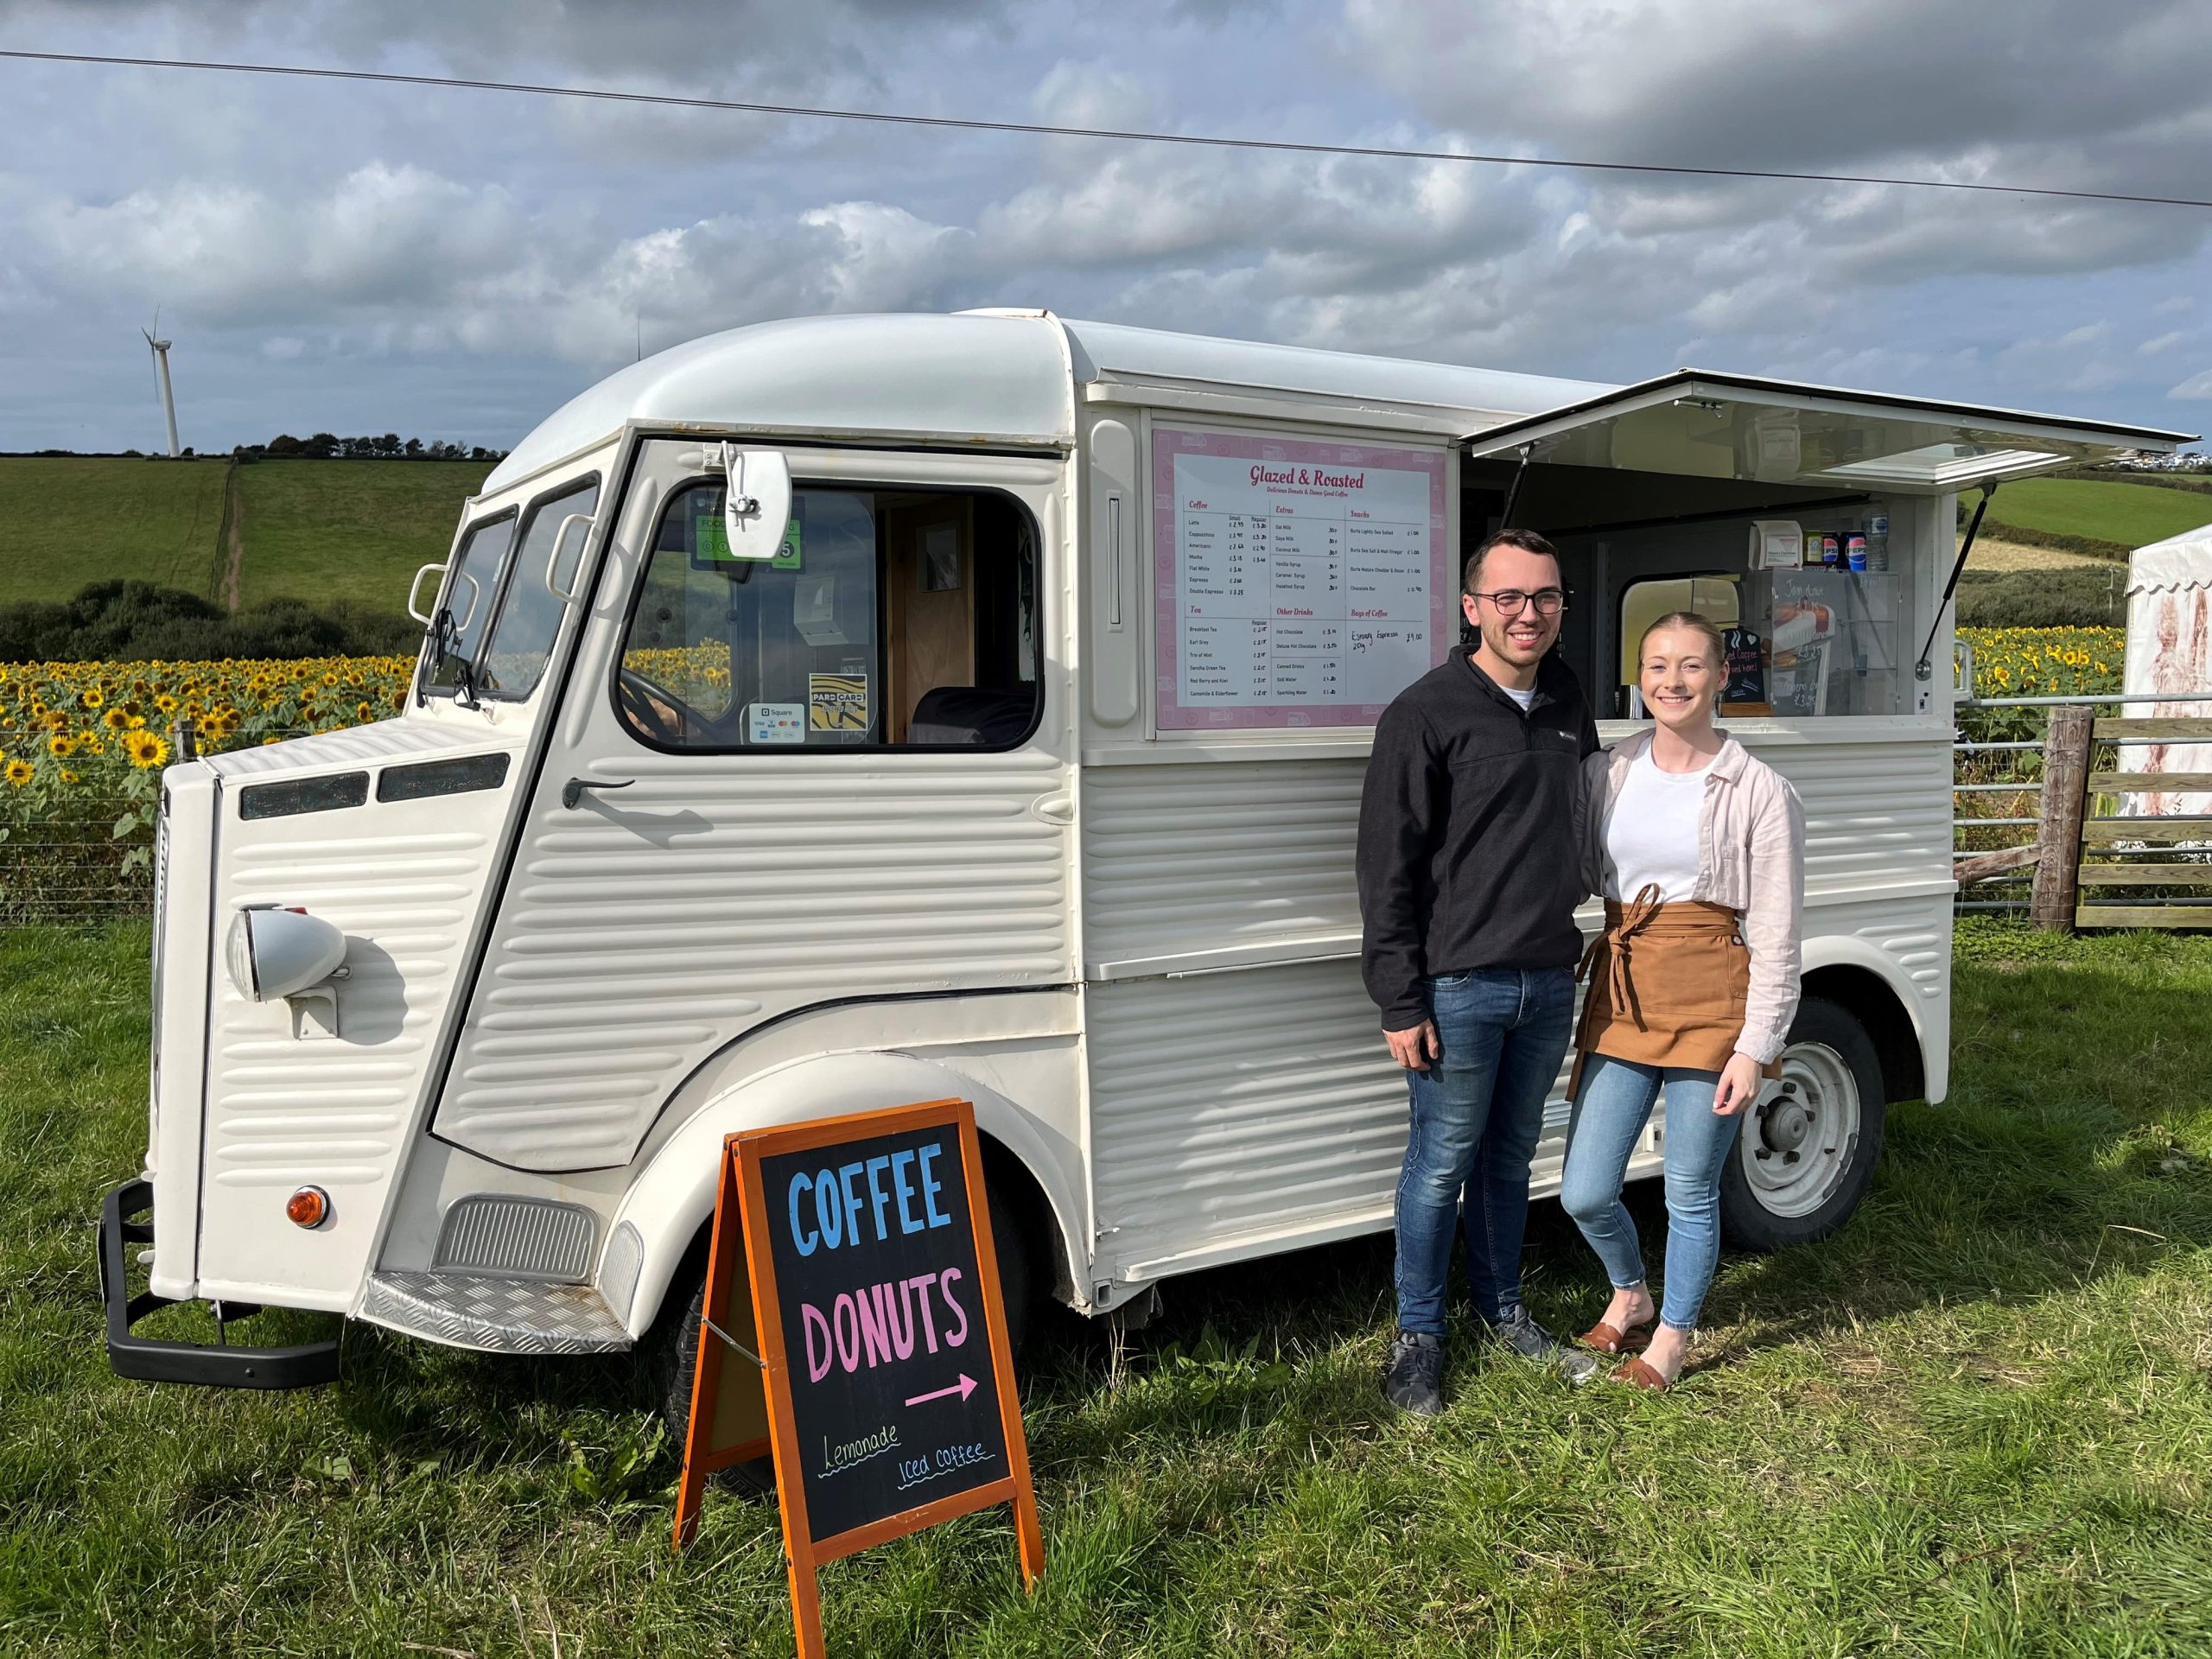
(1700, 851)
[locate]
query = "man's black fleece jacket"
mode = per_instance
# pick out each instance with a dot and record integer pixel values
(1466, 829)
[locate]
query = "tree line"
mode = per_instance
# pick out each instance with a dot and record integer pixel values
(328, 445)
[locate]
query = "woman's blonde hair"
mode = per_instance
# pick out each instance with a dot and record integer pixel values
(1696, 623)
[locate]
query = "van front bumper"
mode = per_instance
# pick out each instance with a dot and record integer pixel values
(153, 1360)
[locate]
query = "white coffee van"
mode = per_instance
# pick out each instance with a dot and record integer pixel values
(841, 713)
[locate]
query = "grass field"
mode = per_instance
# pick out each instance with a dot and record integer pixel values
(2129, 515)
(66, 521)
(353, 530)
(1978, 1420)
(316, 531)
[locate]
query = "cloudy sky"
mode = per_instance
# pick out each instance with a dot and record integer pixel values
(455, 263)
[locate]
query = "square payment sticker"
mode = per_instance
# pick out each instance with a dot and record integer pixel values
(775, 723)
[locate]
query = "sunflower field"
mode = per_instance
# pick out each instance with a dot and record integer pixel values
(2021, 662)
(82, 746)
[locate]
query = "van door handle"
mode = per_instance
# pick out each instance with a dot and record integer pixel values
(572, 790)
(1053, 809)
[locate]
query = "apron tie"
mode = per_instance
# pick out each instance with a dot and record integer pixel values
(1613, 945)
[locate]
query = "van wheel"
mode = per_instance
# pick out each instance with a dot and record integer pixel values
(1805, 1156)
(670, 1356)
(1017, 1276)
(671, 1351)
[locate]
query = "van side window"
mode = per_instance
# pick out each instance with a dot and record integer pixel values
(530, 612)
(465, 602)
(889, 618)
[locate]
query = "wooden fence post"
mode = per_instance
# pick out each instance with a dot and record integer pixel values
(2065, 797)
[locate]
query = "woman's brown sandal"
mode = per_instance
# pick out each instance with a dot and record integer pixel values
(1607, 1340)
(1637, 1375)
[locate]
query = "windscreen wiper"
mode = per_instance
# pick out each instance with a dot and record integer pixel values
(445, 636)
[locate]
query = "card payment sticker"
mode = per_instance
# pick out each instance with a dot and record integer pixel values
(837, 703)
(775, 723)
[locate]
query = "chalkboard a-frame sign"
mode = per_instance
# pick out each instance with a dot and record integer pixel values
(884, 1387)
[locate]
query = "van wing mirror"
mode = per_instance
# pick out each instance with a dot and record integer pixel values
(757, 506)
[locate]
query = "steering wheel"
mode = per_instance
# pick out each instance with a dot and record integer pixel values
(646, 701)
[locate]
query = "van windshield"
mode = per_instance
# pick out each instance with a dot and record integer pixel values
(465, 606)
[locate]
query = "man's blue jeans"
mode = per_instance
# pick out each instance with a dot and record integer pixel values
(1477, 1112)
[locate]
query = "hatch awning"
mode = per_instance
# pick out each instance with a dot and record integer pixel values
(1732, 426)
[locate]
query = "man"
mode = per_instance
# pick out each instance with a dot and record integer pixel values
(1467, 887)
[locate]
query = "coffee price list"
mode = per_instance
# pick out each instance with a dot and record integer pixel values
(1303, 583)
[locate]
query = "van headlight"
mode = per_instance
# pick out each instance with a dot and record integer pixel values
(274, 950)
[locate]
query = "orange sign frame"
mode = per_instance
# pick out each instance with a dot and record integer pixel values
(742, 1215)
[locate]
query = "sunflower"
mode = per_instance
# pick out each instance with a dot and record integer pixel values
(166, 703)
(145, 749)
(60, 746)
(116, 719)
(91, 696)
(362, 711)
(19, 773)
(67, 776)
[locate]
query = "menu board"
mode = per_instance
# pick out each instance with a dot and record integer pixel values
(1297, 583)
(853, 1280)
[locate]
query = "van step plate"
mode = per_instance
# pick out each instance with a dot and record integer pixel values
(498, 1315)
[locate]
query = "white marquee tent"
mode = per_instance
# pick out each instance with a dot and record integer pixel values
(2170, 655)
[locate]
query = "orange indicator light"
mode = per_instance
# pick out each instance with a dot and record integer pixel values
(308, 1207)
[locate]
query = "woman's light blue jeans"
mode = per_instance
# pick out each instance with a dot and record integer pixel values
(1611, 1109)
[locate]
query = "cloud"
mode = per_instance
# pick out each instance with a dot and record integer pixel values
(485, 255)
(229, 253)
(2196, 386)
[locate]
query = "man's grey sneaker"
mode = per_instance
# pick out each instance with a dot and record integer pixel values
(1414, 1382)
(1531, 1341)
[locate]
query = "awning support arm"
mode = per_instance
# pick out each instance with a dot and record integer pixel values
(1513, 489)
(1925, 669)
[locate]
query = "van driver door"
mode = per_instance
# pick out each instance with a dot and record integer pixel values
(836, 774)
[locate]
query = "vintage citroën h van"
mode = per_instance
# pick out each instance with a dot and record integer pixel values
(841, 713)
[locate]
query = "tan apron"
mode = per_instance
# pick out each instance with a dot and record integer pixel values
(1668, 985)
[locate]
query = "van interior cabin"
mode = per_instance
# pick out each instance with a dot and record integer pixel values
(1634, 545)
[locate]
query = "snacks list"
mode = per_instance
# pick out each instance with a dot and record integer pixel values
(1297, 584)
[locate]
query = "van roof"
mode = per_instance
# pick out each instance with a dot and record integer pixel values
(986, 377)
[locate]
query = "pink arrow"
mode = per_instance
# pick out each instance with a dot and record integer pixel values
(964, 1387)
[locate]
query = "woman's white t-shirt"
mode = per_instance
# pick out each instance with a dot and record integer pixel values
(1651, 832)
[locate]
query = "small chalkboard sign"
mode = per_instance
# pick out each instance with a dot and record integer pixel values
(865, 1244)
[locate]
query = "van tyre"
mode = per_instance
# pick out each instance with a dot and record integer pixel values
(670, 1351)
(670, 1354)
(1806, 1155)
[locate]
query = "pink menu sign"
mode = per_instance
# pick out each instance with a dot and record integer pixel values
(1296, 583)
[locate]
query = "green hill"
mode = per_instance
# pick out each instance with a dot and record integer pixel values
(67, 521)
(316, 531)
(355, 529)
(2111, 517)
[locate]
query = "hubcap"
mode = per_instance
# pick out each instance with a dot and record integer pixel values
(1799, 1143)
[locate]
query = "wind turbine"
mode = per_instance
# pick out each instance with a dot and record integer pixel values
(161, 350)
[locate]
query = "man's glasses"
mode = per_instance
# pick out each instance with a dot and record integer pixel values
(1549, 601)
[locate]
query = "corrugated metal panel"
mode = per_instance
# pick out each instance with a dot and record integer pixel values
(1875, 813)
(1193, 857)
(383, 740)
(284, 1110)
(632, 945)
(1238, 1103)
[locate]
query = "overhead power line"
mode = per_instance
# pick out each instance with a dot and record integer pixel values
(1039, 128)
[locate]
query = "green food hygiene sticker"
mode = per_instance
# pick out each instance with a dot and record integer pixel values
(710, 541)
